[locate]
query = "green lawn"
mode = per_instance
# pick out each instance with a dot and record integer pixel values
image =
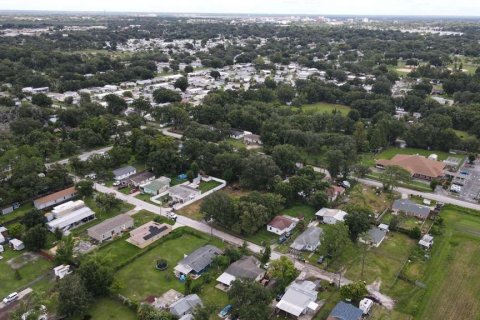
(463, 134)
(238, 144)
(145, 197)
(9, 282)
(139, 285)
(323, 107)
(107, 308)
(391, 152)
(144, 216)
(300, 210)
(208, 185)
(17, 214)
(450, 275)
(413, 184)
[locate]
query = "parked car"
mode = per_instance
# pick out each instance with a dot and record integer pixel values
(320, 259)
(10, 298)
(279, 296)
(225, 311)
(172, 215)
(282, 239)
(116, 183)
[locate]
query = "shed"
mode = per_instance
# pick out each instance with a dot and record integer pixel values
(17, 245)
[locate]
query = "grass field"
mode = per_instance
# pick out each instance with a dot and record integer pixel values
(323, 107)
(9, 282)
(150, 281)
(463, 134)
(17, 214)
(109, 309)
(205, 186)
(367, 197)
(300, 210)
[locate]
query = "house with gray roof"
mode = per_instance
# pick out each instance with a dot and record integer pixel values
(345, 311)
(374, 237)
(156, 187)
(196, 262)
(186, 305)
(110, 227)
(247, 267)
(299, 299)
(124, 172)
(141, 178)
(410, 208)
(309, 240)
(183, 193)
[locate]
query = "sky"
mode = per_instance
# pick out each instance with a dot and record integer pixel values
(314, 7)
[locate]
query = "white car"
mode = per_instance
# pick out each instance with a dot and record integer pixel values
(10, 298)
(172, 215)
(116, 183)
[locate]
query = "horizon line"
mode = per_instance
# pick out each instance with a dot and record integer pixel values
(238, 13)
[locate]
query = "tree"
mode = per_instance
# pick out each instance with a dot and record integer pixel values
(248, 299)
(259, 172)
(96, 276)
(357, 223)
(318, 200)
(335, 161)
(286, 156)
(84, 188)
(354, 291)
(415, 233)
(433, 184)
(73, 297)
(142, 106)
(285, 93)
(471, 158)
(41, 100)
(266, 254)
(394, 223)
(164, 95)
(64, 253)
(181, 83)
(188, 286)
(107, 201)
(215, 74)
(115, 104)
(218, 207)
(335, 240)
(147, 312)
(393, 176)
(283, 270)
(35, 238)
(188, 69)
(32, 218)
(16, 230)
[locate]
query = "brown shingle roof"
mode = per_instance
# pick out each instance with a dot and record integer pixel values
(281, 222)
(55, 196)
(416, 165)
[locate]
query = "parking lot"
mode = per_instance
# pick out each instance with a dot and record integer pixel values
(469, 179)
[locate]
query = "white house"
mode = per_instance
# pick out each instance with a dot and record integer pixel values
(426, 242)
(365, 305)
(124, 172)
(299, 299)
(330, 216)
(17, 245)
(62, 270)
(282, 224)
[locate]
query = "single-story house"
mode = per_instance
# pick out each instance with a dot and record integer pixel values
(309, 240)
(374, 237)
(410, 208)
(252, 139)
(16, 244)
(55, 198)
(157, 186)
(299, 298)
(345, 311)
(384, 227)
(282, 224)
(196, 262)
(166, 300)
(334, 192)
(330, 216)
(418, 166)
(110, 227)
(185, 305)
(124, 172)
(426, 242)
(148, 233)
(141, 178)
(247, 267)
(64, 209)
(71, 220)
(182, 193)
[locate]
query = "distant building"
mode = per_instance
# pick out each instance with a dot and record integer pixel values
(252, 139)
(374, 237)
(410, 208)
(196, 262)
(141, 178)
(247, 267)
(156, 187)
(345, 311)
(418, 166)
(309, 240)
(69, 219)
(182, 193)
(299, 299)
(123, 173)
(186, 305)
(16, 244)
(426, 242)
(282, 224)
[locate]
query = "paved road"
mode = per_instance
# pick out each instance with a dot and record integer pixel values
(6, 309)
(426, 195)
(84, 156)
